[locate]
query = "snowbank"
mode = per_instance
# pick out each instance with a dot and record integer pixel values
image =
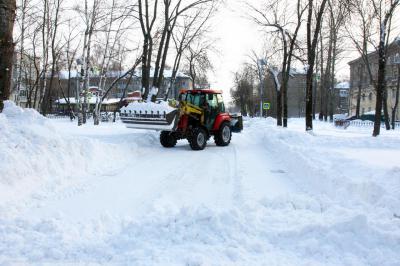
(35, 156)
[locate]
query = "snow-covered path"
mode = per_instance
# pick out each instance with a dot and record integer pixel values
(112, 196)
(156, 177)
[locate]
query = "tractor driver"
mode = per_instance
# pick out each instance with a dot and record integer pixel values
(207, 110)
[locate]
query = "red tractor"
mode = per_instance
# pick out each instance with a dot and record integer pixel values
(200, 114)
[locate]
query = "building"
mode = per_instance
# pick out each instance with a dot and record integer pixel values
(182, 81)
(69, 83)
(361, 85)
(341, 97)
(296, 94)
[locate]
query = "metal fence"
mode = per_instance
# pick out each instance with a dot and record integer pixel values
(57, 116)
(358, 123)
(105, 116)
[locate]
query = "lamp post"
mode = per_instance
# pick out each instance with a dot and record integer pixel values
(261, 63)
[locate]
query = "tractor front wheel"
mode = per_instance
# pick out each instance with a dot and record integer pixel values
(224, 135)
(167, 140)
(198, 139)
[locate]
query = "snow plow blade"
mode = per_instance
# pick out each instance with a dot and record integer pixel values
(148, 115)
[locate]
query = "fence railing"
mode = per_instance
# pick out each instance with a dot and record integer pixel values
(104, 116)
(358, 123)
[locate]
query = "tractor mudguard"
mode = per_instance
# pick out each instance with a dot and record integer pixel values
(223, 117)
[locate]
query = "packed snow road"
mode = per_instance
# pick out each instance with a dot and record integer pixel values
(108, 195)
(142, 176)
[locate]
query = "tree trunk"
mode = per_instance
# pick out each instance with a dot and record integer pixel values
(359, 92)
(145, 75)
(396, 104)
(7, 17)
(279, 108)
(380, 87)
(386, 110)
(312, 39)
(321, 83)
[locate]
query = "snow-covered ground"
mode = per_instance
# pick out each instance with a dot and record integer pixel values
(108, 195)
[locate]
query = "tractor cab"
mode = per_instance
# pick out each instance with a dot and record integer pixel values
(209, 101)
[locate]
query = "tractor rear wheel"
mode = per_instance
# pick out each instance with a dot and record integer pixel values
(224, 135)
(167, 140)
(198, 139)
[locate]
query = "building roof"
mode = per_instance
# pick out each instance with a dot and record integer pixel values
(343, 85)
(202, 91)
(393, 45)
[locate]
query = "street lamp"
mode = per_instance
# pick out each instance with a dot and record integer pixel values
(261, 63)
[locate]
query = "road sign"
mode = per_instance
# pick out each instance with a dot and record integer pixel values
(266, 106)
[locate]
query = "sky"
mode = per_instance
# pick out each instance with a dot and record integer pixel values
(236, 35)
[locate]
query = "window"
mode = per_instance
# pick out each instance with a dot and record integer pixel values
(369, 109)
(363, 110)
(212, 101)
(370, 96)
(221, 105)
(195, 99)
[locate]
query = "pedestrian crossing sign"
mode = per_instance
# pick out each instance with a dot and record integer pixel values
(266, 106)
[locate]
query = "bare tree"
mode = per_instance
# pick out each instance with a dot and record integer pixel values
(385, 17)
(147, 21)
(373, 13)
(198, 62)
(71, 51)
(396, 101)
(7, 16)
(242, 92)
(337, 13)
(21, 20)
(113, 32)
(276, 16)
(55, 53)
(170, 22)
(191, 32)
(91, 15)
(312, 41)
(148, 12)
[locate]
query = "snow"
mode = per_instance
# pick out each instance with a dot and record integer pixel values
(159, 106)
(108, 195)
(343, 85)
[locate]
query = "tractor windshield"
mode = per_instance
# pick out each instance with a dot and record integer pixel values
(195, 99)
